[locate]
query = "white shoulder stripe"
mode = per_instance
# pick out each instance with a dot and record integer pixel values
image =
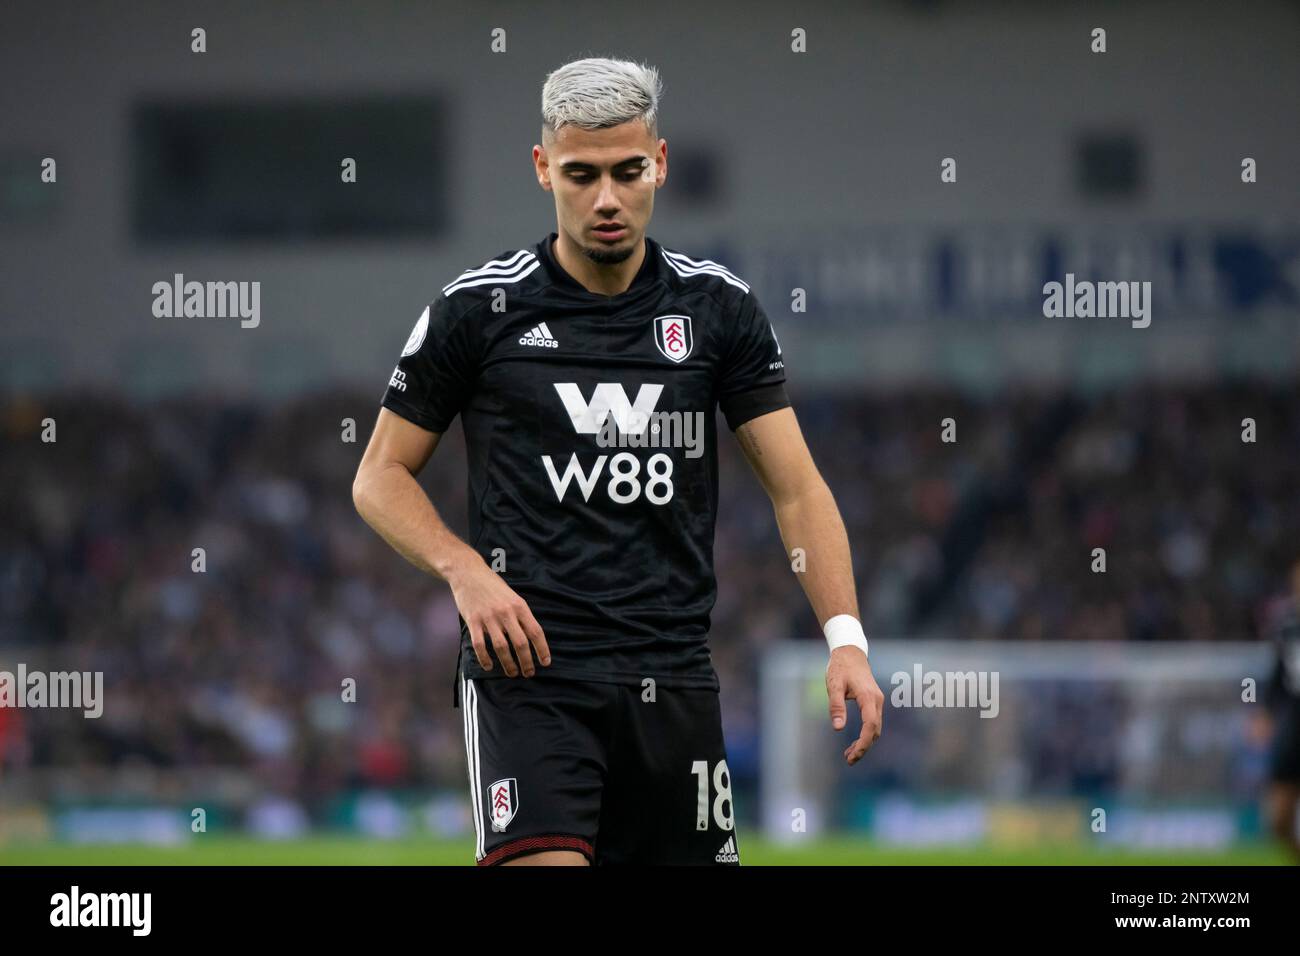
(686, 266)
(497, 263)
(686, 260)
(498, 267)
(500, 275)
(720, 273)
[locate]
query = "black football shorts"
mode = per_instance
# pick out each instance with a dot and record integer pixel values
(619, 773)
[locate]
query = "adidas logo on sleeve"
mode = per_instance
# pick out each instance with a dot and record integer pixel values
(540, 335)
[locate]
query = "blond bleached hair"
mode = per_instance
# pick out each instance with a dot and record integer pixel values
(597, 92)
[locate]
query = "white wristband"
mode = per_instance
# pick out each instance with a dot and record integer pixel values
(845, 630)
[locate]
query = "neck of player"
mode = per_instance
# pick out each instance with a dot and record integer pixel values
(610, 280)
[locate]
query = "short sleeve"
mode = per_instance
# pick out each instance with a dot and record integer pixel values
(436, 370)
(752, 378)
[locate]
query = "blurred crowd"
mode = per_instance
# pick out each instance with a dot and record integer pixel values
(991, 534)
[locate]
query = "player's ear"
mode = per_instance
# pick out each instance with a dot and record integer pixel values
(542, 166)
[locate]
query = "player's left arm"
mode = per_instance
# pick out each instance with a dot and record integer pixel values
(809, 520)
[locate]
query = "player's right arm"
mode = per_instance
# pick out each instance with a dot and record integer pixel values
(391, 501)
(434, 378)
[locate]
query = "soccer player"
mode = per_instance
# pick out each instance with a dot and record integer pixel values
(1283, 795)
(587, 370)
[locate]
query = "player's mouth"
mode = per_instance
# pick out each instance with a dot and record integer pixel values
(611, 231)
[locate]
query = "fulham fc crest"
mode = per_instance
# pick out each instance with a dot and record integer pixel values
(673, 336)
(502, 803)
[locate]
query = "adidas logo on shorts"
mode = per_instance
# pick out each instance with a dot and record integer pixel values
(728, 852)
(540, 335)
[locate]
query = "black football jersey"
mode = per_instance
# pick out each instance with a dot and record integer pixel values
(590, 428)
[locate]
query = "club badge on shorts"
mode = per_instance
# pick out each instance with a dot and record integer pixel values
(673, 336)
(502, 803)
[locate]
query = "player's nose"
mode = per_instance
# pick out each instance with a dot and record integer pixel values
(607, 199)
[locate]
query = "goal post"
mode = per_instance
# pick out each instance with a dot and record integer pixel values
(1131, 744)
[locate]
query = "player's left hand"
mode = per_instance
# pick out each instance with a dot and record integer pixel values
(849, 677)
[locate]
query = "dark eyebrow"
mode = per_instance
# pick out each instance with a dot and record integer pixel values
(575, 164)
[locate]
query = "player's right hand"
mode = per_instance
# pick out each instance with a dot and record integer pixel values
(495, 614)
